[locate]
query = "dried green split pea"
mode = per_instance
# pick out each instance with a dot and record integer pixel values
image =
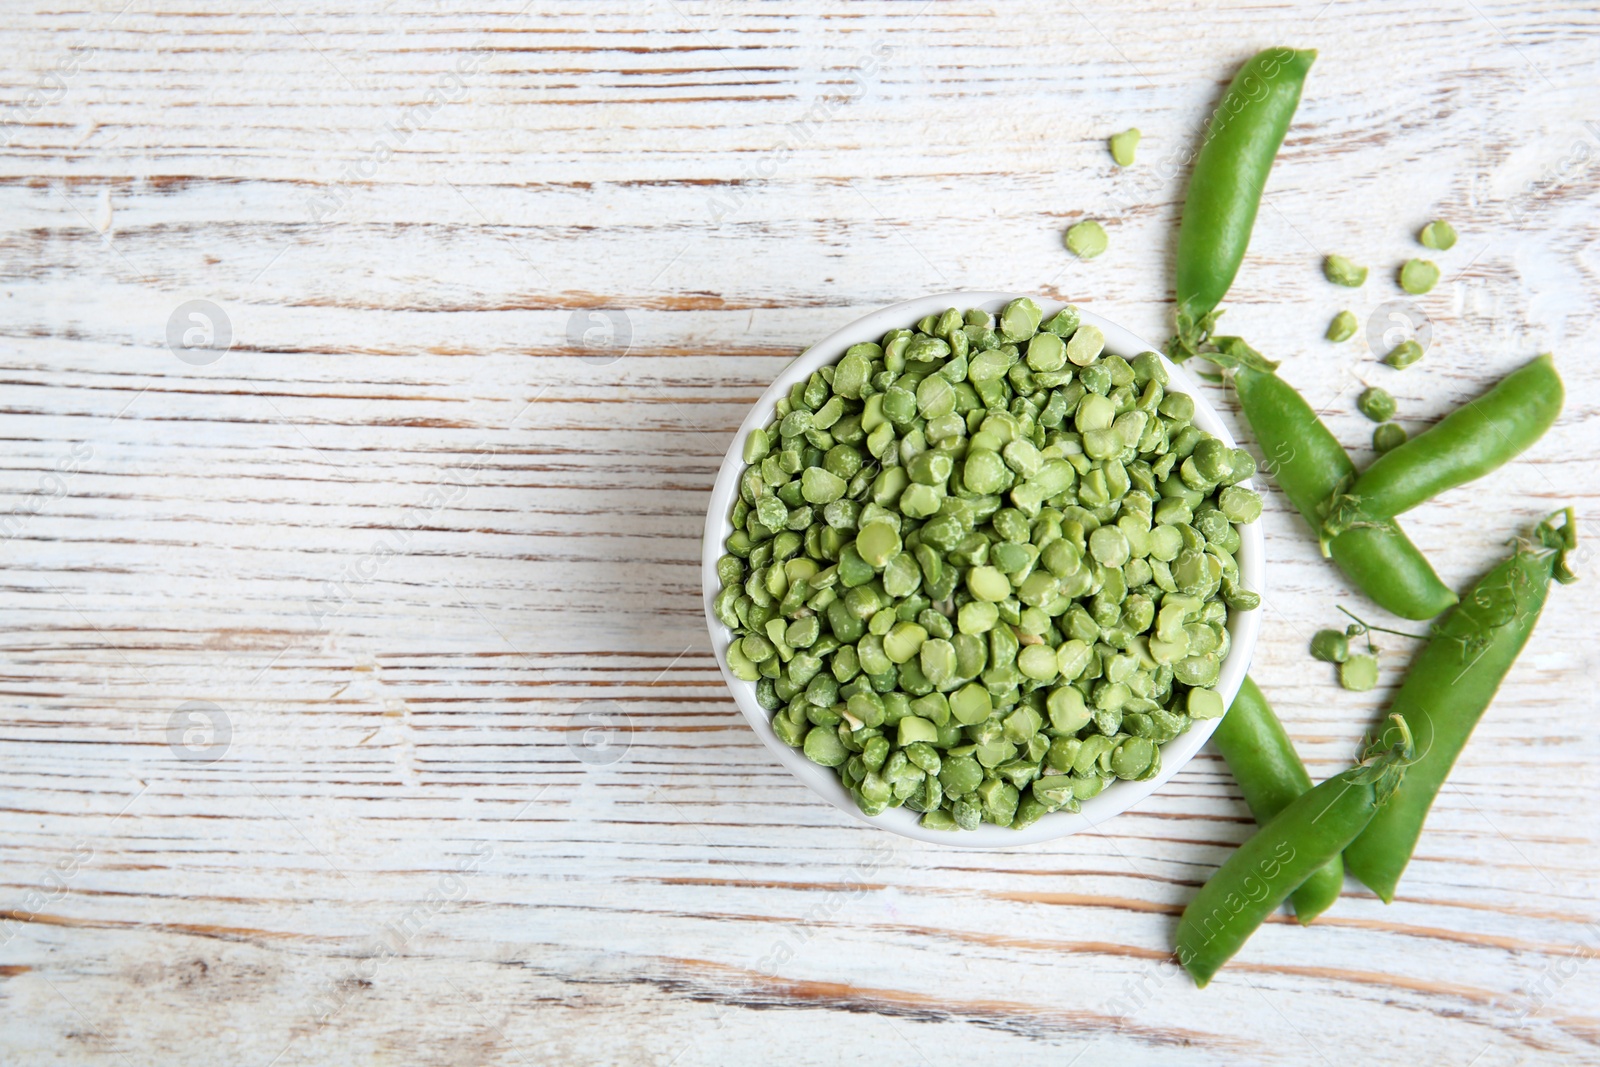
(1340, 271)
(1419, 276)
(1439, 235)
(1343, 327)
(1086, 239)
(1123, 146)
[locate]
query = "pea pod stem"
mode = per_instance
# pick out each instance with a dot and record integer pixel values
(1309, 464)
(1476, 438)
(1363, 628)
(1450, 685)
(1219, 210)
(1312, 830)
(1270, 775)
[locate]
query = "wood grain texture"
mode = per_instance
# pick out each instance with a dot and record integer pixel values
(424, 540)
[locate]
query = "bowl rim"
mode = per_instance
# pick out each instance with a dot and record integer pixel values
(1119, 796)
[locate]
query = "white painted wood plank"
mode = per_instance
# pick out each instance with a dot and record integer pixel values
(412, 847)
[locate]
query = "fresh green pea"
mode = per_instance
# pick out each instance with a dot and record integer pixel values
(1438, 234)
(1086, 239)
(1340, 271)
(1330, 646)
(1418, 276)
(1343, 327)
(1404, 354)
(1270, 775)
(1390, 435)
(1376, 404)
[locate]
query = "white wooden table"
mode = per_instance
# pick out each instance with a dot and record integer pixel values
(358, 705)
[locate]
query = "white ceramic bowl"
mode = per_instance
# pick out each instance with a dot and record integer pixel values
(1118, 796)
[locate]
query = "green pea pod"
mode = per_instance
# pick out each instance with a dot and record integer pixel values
(1309, 464)
(1393, 572)
(1466, 444)
(1230, 170)
(1451, 683)
(1296, 843)
(1270, 774)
